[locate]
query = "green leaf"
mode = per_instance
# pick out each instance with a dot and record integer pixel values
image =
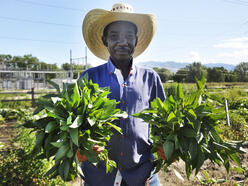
(91, 121)
(70, 153)
(75, 96)
(77, 122)
(171, 99)
(39, 139)
(188, 132)
(120, 114)
(160, 104)
(61, 170)
(115, 127)
(200, 160)
(168, 147)
(29, 124)
(55, 99)
(55, 85)
(47, 104)
(200, 83)
(57, 144)
(171, 116)
(74, 135)
(193, 149)
(235, 158)
(177, 144)
(62, 151)
(51, 126)
(69, 120)
(167, 105)
(180, 91)
(66, 168)
(193, 99)
(38, 109)
(192, 113)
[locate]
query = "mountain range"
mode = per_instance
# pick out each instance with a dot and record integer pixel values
(175, 66)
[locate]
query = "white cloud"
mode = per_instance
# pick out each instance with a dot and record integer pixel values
(238, 43)
(195, 56)
(236, 54)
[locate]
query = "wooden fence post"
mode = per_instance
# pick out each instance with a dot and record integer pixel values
(32, 97)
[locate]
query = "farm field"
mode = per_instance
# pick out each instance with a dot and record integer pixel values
(16, 142)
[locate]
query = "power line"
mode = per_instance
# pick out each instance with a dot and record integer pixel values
(38, 40)
(39, 22)
(48, 5)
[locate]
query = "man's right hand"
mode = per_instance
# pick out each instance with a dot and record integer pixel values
(161, 152)
(82, 158)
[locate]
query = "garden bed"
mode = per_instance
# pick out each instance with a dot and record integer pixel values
(213, 174)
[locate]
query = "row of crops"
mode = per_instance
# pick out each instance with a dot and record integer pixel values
(17, 165)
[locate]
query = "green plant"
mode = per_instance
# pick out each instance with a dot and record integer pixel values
(77, 117)
(18, 167)
(9, 114)
(187, 127)
(1, 145)
(2, 120)
(206, 179)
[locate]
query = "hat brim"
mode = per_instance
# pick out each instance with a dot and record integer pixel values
(96, 20)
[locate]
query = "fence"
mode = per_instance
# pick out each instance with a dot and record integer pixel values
(32, 93)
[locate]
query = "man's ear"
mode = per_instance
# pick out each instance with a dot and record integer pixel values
(104, 40)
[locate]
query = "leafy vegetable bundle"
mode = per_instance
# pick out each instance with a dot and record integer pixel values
(77, 117)
(186, 126)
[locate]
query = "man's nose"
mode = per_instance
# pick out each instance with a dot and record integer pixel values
(122, 40)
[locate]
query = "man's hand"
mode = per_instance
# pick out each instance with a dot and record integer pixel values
(97, 149)
(161, 152)
(82, 158)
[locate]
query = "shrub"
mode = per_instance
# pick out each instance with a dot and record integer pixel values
(17, 167)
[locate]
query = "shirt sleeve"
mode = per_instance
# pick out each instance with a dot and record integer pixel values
(158, 89)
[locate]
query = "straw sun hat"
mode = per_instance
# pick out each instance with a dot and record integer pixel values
(97, 19)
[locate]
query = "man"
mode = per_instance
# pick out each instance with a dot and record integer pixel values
(118, 36)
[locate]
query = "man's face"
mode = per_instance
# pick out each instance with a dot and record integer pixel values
(120, 40)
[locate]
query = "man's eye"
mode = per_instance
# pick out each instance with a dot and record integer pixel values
(130, 36)
(113, 36)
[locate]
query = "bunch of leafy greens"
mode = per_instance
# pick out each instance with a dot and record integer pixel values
(75, 118)
(186, 126)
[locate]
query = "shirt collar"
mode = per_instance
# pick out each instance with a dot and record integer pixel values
(111, 68)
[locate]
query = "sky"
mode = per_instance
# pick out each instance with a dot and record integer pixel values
(206, 31)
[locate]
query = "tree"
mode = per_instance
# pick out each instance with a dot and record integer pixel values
(66, 66)
(163, 73)
(216, 74)
(5, 58)
(195, 70)
(180, 75)
(241, 70)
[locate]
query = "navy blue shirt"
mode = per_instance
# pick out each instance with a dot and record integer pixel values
(132, 150)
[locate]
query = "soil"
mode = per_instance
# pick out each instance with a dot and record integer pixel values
(217, 175)
(169, 178)
(214, 172)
